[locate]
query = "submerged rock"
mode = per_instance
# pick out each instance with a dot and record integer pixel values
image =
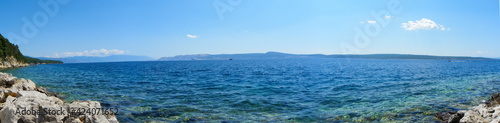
(22, 101)
(450, 117)
(495, 99)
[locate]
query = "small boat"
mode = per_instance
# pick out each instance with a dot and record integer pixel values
(230, 59)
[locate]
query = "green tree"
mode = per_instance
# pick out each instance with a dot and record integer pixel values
(8, 49)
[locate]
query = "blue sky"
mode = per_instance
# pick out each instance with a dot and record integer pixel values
(159, 28)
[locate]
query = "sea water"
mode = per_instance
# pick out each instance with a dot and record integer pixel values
(274, 90)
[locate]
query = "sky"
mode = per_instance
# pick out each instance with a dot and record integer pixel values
(159, 28)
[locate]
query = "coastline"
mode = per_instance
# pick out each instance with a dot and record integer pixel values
(487, 111)
(23, 101)
(11, 62)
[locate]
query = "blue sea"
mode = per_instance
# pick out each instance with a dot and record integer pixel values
(274, 90)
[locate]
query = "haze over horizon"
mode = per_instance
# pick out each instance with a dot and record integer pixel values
(66, 28)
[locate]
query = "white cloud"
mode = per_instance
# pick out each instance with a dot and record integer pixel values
(482, 52)
(362, 22)
(387, 17)
(371, 21)
(93, 53)
(191, 36)
(424, 23)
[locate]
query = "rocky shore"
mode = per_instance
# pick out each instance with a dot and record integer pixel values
(22, 101)
(11, 62)
(487, 112)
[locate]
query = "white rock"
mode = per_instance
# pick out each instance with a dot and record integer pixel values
(98, 118)
(24, 85)
(472, 117)
(7, 113)
(6, 78)
(496, 115)
(23, 94)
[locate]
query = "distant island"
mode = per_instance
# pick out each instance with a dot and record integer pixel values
(278, 55)
(11, 57)
(90, 59)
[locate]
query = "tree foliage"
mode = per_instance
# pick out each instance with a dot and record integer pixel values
(8, 49)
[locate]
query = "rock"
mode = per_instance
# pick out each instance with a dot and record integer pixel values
(34, 101)
(496, 115)
(43, 90)
(23, 95)
(455, 118)
(24, 85)
(462, 112)
(488, 111)
(494, 100)
(478, 114)
(75, 105)
(473, 117)
(11, 62)
(482, 109)
(2, 94)
(444, 116)
(7, 79)
(7, 114)
(450, 117)
(20, 85)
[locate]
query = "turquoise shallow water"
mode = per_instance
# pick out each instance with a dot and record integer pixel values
(289, 90)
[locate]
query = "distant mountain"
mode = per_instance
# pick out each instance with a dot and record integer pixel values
(268, 55)
(278, 55)
(87, 59)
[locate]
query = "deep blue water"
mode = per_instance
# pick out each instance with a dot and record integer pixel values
(299, 90)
